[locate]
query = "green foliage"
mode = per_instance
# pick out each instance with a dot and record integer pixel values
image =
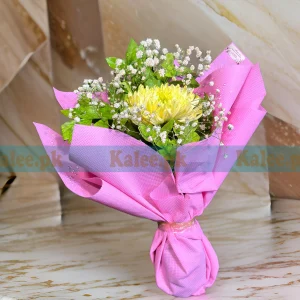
(143, 131)
(105, 112)
(168, 126)
(131, 52)
(189, 134)
(111, 61)
(127, 87)
(86, 122)
(169, 66)
(102, 123)
(67, 130)
(88, 113)
(65, 112)
(132, 130)
(168, 151)
(192, 137)
(151, 79)
(194, 83)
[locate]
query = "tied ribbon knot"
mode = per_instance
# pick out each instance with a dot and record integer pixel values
(175, 227)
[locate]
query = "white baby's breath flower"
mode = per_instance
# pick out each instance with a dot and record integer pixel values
(119, 62)
(77, 105)
(119, 91)
(70, 115)
(165, 51)
(162, 72)
(149, 62)
(162, 57)
(89, 95)
(149, 52)
(207, 58)
(156, 61)
(211, 83)
(200, 67)
(149, 42)
(77, 119)
(179, 141)
(230, 127)
(157, 44)
(139, 54)
(192, 67)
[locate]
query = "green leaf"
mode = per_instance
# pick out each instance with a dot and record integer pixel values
(151, 80)
(65, 112)
(168, 151)
(111, 61)
(85, 122)
(102, 123)
(143, 130)
(192, 137)
(169, 66)
(132, 130)
(84, 101)
(105, 112)
(168, 126)
(131, 51)
(67, 130)
(90, 112)
(127, 87)
(177, 82)
(194, 83)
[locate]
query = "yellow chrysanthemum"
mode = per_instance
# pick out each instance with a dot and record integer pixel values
(160, 104)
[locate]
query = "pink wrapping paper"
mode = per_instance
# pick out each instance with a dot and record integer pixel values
(184, 260)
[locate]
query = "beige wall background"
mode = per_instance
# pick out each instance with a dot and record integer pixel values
(60, 43)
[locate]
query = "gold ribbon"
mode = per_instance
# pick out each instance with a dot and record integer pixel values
(176, 227)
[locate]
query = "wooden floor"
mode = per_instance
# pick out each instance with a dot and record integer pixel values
(93, 252)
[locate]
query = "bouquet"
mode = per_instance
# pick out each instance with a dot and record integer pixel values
(154, 142)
